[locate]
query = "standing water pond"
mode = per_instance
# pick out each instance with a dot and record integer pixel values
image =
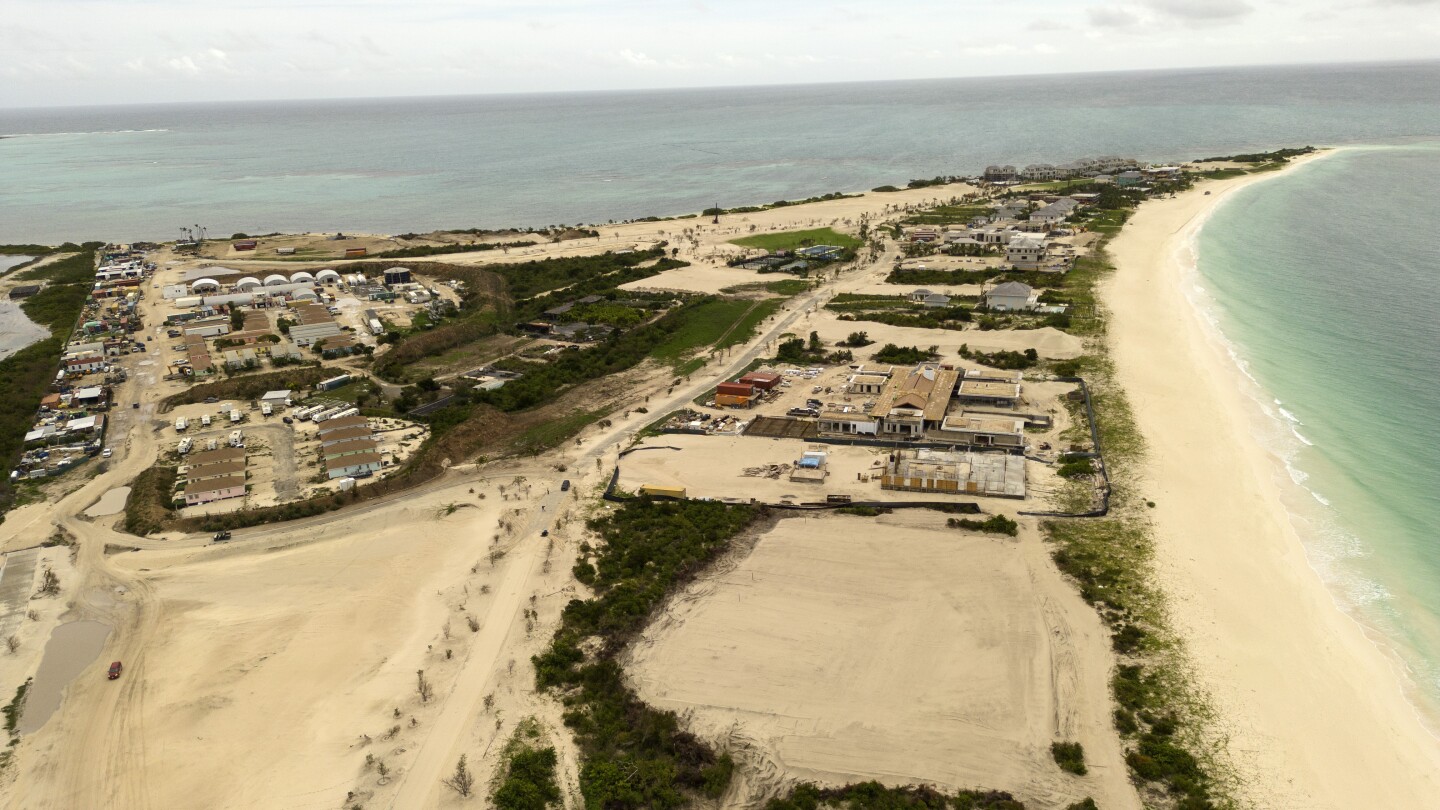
(71, 650)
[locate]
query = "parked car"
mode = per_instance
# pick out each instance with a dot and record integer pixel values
(211, 400)
(287, 420)
(106, 453)
(565, 485)
(115, 668)
(221, 536)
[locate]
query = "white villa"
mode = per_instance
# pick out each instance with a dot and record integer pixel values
(1012, 296)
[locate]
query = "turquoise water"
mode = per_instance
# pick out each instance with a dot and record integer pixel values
(394, 165)
(1327, 283)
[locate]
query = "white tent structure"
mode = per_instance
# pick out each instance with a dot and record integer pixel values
(247, 284)
(301, 276)
(276, 279)
(204, 285)
(327, 276)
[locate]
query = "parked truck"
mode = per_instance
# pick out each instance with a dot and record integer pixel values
(236, 416)
(265, 409)
(205, 420)
(185, 445)
(237, 438)
(181, 424)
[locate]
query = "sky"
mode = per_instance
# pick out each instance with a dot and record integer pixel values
(80, 52)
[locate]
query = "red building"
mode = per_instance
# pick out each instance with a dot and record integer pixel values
(764, 380)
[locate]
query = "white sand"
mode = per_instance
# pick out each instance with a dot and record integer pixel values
(844, 649)
(1313, 711)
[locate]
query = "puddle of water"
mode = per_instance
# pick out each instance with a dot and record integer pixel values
(111, 503)
(71, 650)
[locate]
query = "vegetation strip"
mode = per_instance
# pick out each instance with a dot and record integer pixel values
(26, 375)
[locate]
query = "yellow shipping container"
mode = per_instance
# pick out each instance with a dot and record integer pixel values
(655, 490)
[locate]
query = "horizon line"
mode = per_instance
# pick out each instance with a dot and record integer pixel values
(717, 87)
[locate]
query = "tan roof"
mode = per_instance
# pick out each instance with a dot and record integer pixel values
(341, 462)
(331, 425)
(349, 447)
(345, 434)
(216, 455)
(843, 416)
(926, 388)
(984, 423)
(995, 374)
(216, 470)
(976, 388)
(215, 484)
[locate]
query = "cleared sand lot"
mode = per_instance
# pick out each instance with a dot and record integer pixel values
(845, 649)
(1048, 341)
(704, 277)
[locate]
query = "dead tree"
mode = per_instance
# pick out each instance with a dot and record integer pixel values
(462, 781)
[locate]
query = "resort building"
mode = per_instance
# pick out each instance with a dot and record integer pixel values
(915, 401)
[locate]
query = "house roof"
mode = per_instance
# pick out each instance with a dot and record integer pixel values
(351, 446)
(214, 485)
(926, 388)
(330, 426)
(343, 462)
(1018, 289)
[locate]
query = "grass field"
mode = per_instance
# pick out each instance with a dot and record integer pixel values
(719, 323)
(791, 240)
(786, 287)
(947, 215)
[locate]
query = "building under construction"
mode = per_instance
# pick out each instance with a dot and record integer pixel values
(995, 475)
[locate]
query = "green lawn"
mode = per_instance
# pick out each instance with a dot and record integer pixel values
(786, 287)
(723, 322)
(948, 215)
(792, 240)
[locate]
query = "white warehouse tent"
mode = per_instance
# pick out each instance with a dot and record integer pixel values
(327, 276)
(271, 281)
(301, 276)
(204, 285)
(247, 283)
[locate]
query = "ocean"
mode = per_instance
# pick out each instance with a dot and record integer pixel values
(396, 165)
(1326, 283)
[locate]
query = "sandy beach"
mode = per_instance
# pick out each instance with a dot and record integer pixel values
(1310, 708)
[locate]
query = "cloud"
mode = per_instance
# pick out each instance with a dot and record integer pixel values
(1111, 17)
(1202, 10)
(1046, 25)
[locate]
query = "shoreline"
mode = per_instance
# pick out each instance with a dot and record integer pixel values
(1269, 642)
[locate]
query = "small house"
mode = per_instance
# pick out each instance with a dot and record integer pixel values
(1011, 296)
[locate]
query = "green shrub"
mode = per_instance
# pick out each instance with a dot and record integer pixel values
(995, 524)
(1070, 756)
